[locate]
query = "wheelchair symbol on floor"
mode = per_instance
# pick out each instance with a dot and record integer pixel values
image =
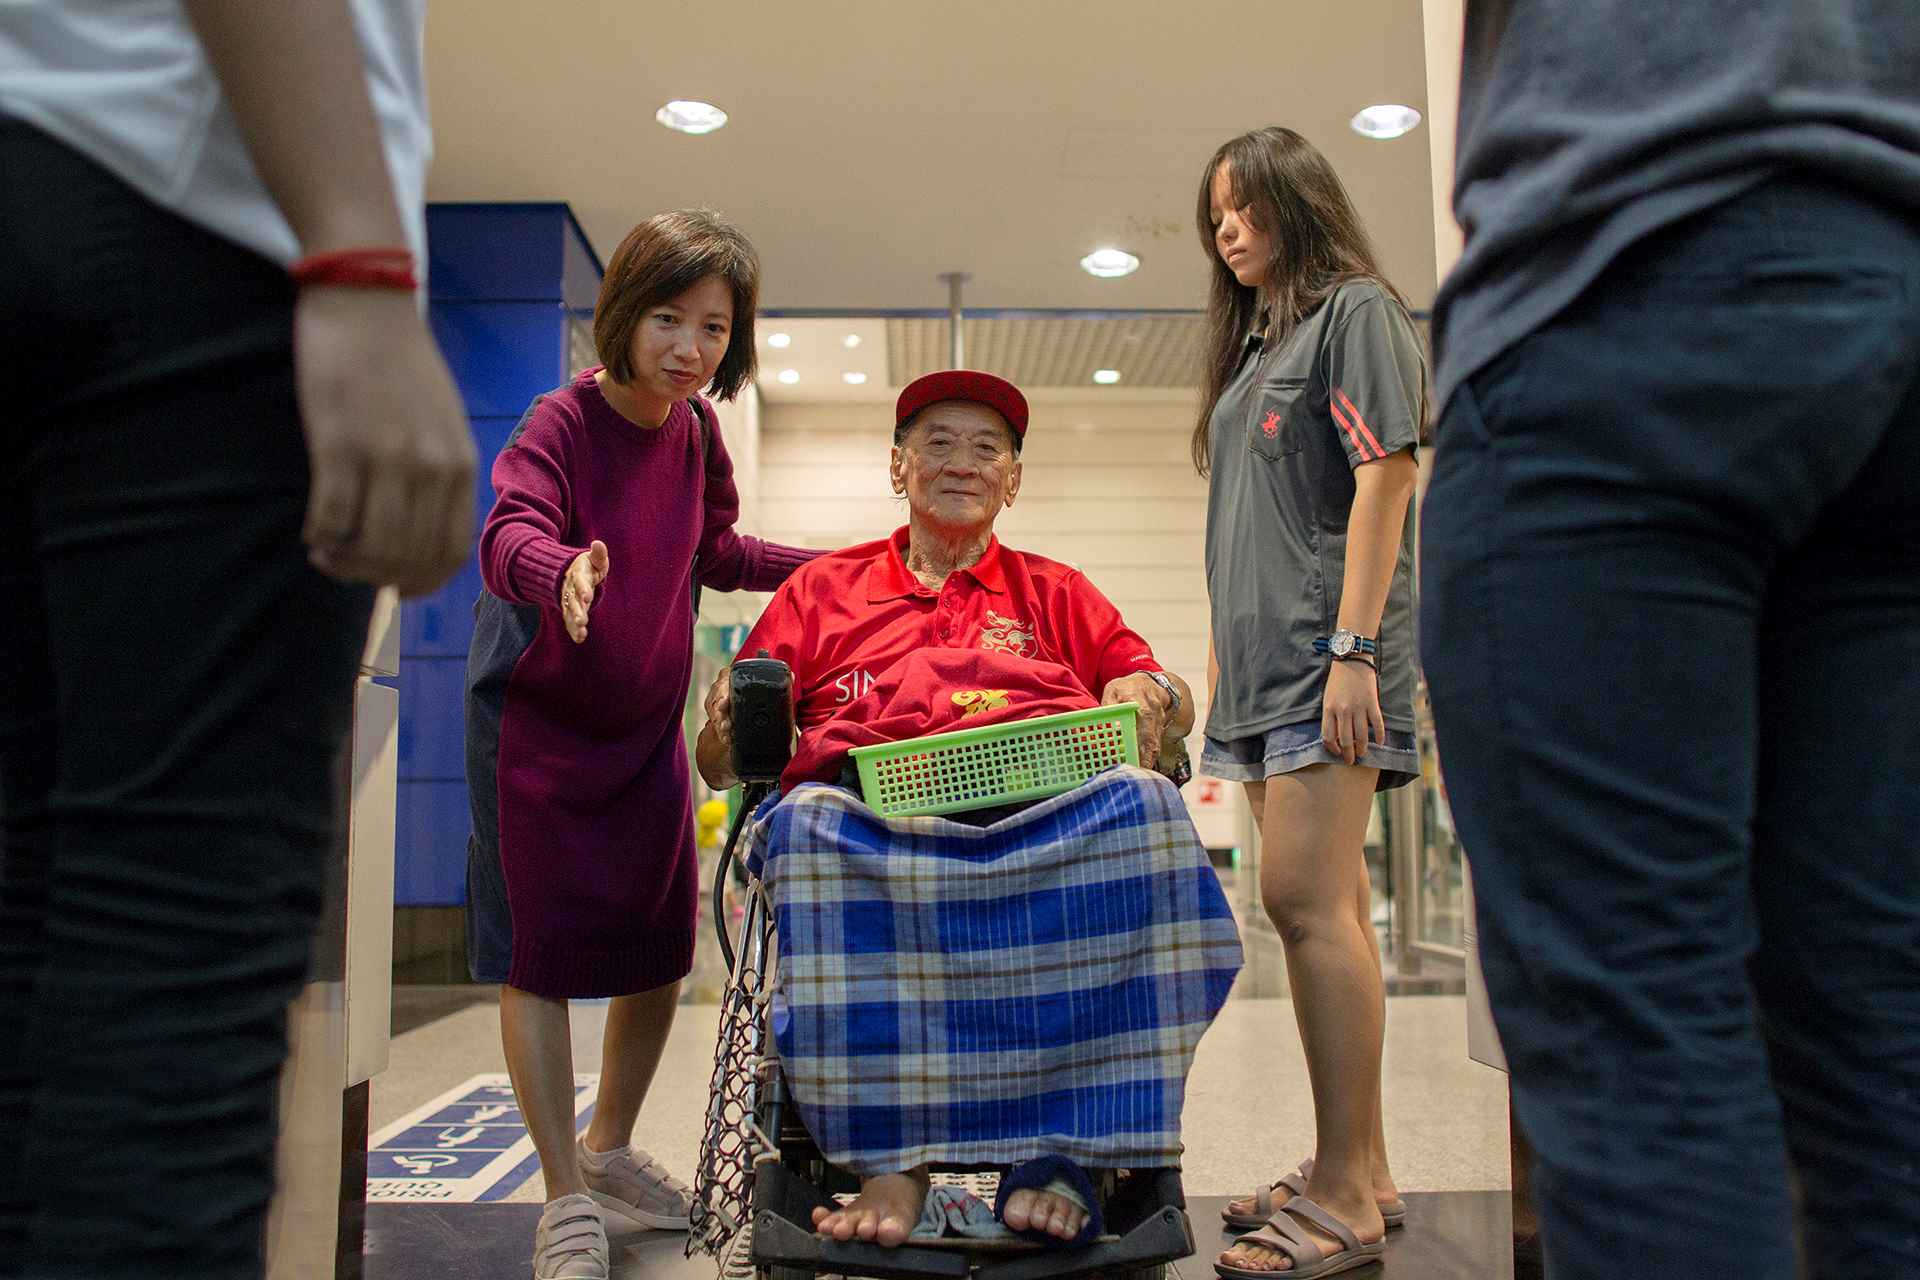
(450, 1138)
(424, 1164)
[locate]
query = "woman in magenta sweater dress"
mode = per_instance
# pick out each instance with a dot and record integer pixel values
(615, 495)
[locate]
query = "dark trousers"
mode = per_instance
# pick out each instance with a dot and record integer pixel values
(1671, 625)
(178, 683)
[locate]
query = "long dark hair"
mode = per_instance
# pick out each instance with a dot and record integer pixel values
(1293, 196)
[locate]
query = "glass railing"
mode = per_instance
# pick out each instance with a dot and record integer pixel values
(1437, 893)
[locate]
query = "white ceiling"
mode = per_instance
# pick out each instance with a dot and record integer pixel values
(818, 357)
(876, 143)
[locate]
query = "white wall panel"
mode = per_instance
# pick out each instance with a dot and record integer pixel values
(740, 428)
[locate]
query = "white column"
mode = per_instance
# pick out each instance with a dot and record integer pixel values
(340, 1024)
(1445, 21)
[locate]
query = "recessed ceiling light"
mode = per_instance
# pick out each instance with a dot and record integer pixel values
(780, 340)
(1106, 377)
(853, 379)
(1387, 120)
(789, 376)
(685, 116)
(1108, 263)
(851, 341)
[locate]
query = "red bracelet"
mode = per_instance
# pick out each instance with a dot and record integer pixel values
(368, 268)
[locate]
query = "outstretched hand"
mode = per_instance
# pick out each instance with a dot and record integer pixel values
(581, 586)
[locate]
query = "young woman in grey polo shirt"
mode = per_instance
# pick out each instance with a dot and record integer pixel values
(1315, 394)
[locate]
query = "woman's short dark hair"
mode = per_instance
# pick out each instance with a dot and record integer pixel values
(661, 259)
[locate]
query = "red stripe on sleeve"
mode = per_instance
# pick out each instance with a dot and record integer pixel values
(1361, 422)
(1359, 447)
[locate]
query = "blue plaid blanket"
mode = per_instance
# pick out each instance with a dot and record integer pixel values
(986, 995)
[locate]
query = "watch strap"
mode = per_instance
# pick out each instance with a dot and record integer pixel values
(1173, 692)
(1361, 644)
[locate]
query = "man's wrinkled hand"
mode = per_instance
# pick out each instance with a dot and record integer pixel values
(1145, 693)
(720, 709)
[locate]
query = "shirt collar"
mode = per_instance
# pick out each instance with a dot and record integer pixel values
(1257, 335)
(889, 578)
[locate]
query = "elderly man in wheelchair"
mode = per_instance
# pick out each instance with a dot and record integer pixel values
(1018, 986)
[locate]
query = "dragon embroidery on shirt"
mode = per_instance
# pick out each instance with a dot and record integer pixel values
(977, 702)
(1007, 635)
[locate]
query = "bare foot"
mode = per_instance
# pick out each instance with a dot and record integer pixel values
(1033, 1210)
(1368, 1227)
(885, 1212)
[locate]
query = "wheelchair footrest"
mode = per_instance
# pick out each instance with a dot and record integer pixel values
(783, 1236)
(1150, 1216)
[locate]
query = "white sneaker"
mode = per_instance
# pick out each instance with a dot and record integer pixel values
(571, 1242)
(635, 1186)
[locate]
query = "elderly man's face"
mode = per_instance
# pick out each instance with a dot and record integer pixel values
(957, 465)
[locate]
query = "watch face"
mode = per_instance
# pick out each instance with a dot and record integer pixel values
(1342, 644)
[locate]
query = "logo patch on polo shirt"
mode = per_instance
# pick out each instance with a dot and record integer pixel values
(1007, 635)
(1271, 423)
(853, 685)
(976, 702)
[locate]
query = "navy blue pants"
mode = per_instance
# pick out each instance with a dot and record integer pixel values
(1671, 624)
(176, 684)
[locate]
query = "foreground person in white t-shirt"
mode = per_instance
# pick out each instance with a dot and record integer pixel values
(226, 418)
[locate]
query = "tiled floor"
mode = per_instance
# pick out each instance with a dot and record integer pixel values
(1248, 1115)
(1449, 1236)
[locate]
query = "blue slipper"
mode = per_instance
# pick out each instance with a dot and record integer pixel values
(1059, 1176)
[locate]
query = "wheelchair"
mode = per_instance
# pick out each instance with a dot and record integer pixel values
(760, 1174)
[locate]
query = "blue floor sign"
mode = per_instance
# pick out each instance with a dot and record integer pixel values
(467, 1146)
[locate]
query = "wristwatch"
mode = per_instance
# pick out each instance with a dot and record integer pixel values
(1160, 678)
(1344, 644)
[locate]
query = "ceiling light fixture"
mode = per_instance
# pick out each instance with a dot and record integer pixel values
(851, 341)
(780, 340)
(686, 116)
(1106, 377)
(1387, 120)
(853, 379)
(1109, 263)
(789, 376)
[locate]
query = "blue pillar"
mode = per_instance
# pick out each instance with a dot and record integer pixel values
(510, 287)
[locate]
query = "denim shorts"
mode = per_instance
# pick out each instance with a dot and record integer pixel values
(1295, 746)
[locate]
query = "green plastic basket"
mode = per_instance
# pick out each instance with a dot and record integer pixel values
(1001, 764)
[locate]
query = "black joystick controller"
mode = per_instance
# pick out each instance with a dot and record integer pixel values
(762, 718)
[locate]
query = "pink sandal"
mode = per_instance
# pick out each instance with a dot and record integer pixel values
(1394, 1211)
(1284, 1234)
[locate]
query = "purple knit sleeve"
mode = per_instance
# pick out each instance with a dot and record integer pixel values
(522, 558)
(729, 560)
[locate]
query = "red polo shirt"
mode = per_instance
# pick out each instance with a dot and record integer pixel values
(844, 620)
